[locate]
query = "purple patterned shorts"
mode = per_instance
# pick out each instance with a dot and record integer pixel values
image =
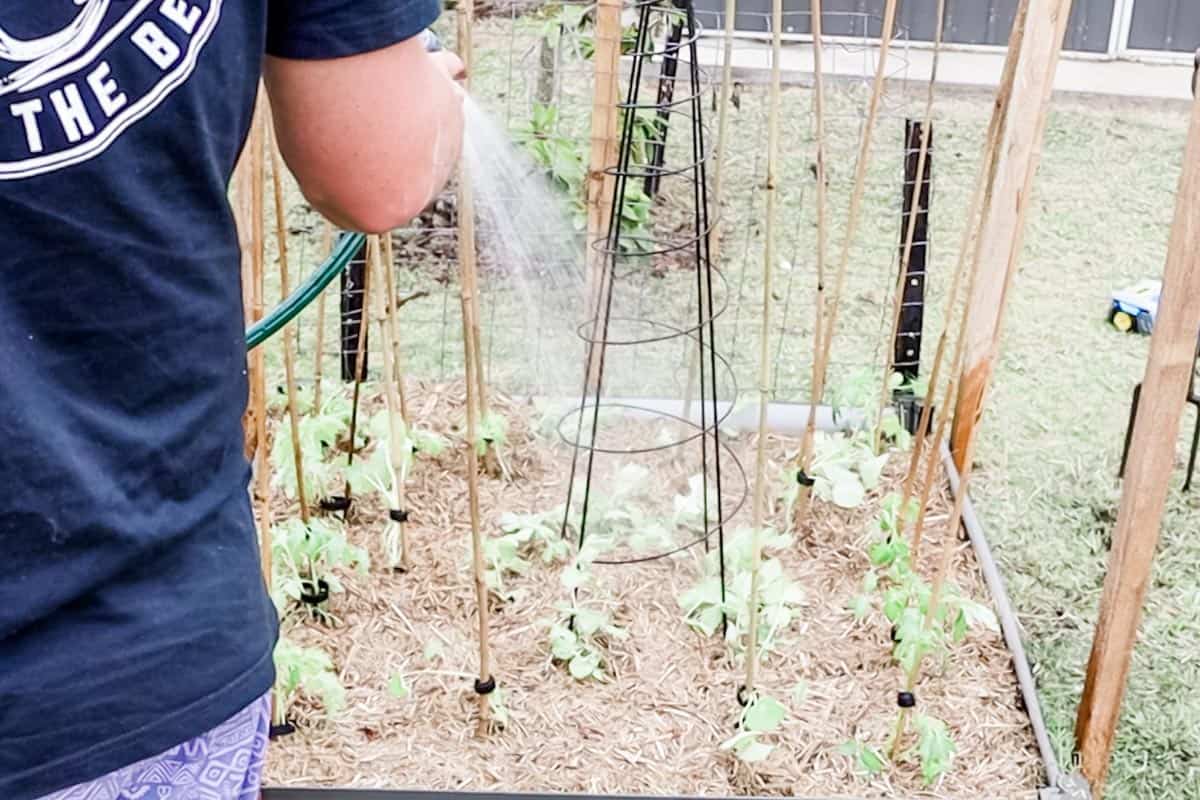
(224, 764)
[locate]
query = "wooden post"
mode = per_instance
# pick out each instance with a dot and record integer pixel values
(1043, 23)
(253, 255)
(1147, 476)
(603, 156)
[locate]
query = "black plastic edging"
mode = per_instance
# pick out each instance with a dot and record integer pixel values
(417, 794)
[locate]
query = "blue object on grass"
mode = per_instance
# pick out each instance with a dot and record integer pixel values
(1135, 307)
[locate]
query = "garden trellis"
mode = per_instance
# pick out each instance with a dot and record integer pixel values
(805, 291)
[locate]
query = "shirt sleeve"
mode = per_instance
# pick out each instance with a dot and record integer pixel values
(315, 29)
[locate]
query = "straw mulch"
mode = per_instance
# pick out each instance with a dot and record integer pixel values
(655, 727)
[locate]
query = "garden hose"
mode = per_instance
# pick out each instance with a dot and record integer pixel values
(347, 246)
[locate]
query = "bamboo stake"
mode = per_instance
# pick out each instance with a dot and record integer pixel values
(935, 372)
(256, 368)
(289, 356)
(398, 447)
(243, 211)
(821, 367)
(714, 236)
(949, 546)
(485, 684)
(931, 470)
(318, 366)
(393, 318)
(911, 227)
(822, 240)
(764, 360)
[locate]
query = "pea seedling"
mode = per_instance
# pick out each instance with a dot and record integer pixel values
(305, 557)
(304, 670)
(778, 595)
(762, 716)
(581, 635)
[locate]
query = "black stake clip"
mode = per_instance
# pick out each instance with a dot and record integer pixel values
(335, 503)
(396, 515)
(906, 699)
(485, 687)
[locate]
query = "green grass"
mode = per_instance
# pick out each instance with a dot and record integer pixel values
(1046, 488)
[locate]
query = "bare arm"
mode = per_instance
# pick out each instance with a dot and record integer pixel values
(371, 138)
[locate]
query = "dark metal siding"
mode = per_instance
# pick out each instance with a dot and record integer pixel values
(967, 21)
(1165, 25)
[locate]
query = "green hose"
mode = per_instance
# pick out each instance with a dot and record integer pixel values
(347, 246)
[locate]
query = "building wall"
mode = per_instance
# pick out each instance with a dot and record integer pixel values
(1168, 25)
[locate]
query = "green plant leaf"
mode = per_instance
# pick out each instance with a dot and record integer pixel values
(433, 650)
(866, 758)
(398, 687)
(764, 714)
(753, 752)
(585, 665)
(498, 705)
(935, 747)
(860, 607)
(848, 495)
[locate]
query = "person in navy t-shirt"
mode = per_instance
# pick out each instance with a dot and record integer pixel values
(133, 616)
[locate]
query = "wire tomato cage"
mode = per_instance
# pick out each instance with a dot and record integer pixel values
(626, 326)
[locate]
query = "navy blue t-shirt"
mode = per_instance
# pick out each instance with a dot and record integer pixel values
(133, 614)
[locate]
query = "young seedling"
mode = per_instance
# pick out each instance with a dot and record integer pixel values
(387, 473)
(778, 595)
(523, 537)
(537, 532)
(305, 557)
(935, 747)
(490, 442)
(320, 431)
(866, 758)
(762, 716)
(843, 469)
(304, 670)
(398, 686)
(582, 634)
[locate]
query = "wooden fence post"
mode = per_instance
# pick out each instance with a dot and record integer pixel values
(603, 156)
(1147, 477)
(1002, 228)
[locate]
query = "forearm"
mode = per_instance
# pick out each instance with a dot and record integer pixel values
(371, 138)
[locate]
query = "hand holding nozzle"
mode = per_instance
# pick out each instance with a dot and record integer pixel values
(450, 63)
